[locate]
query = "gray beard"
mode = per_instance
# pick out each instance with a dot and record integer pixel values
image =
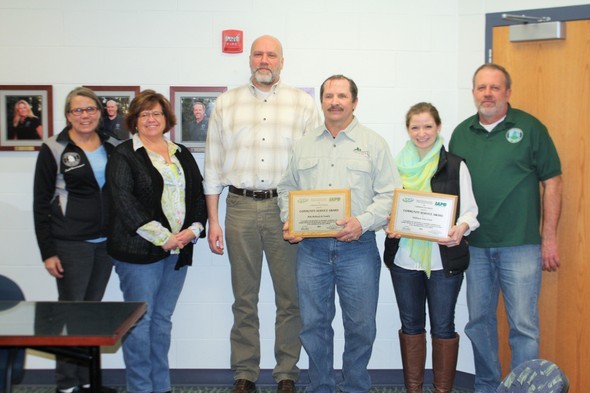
(264, 79)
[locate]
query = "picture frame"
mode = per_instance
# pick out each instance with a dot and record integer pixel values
(115, 102)
(190, 103)
(26, 116)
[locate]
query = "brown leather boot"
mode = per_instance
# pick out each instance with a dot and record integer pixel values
(444, 363)
(413, 348)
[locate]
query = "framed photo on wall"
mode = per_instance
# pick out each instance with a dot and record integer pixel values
(26, 116)
(192, 107)
(115, 102)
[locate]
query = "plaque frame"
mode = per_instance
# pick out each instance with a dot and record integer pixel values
(411, 211)
(303, 198)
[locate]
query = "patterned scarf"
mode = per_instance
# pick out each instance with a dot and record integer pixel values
(416, 174)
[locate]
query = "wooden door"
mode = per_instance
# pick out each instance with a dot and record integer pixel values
(551, 80)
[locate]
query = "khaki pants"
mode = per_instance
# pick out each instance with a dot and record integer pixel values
(253, 228)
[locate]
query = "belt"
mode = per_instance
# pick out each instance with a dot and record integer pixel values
(256, 194)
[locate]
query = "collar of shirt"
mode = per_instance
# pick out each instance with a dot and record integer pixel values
(138, 144)
(350, 131)
(273, 89)
(506, 122)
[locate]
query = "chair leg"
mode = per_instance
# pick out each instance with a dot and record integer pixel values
(12, 352)
(444, 363)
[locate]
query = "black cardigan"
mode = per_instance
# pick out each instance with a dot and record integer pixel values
(135, 189)
(455, 260)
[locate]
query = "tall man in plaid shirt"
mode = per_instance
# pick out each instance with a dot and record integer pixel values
(249, 139)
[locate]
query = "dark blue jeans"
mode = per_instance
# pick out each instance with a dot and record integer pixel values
(413, 288)
(326, 267)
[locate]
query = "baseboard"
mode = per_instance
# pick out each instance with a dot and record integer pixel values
(224, 377)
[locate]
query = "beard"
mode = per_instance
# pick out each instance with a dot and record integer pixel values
(265, 79)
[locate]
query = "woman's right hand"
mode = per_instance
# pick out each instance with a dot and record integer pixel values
(171, 244)
(53, 267)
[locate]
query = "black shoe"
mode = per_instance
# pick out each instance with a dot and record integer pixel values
(286, 386)
(243, 386)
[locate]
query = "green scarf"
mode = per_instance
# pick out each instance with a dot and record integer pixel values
(416, 174)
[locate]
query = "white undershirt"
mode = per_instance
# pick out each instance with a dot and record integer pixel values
(490, 127)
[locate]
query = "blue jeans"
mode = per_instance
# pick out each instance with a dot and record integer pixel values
(145, 347)
(516, 271)
(413, 288)
(323, 266)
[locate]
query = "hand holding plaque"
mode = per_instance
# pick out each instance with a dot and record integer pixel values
(313, 213)
(422, 215)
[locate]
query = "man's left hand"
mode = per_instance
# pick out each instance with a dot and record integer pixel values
(549, 255)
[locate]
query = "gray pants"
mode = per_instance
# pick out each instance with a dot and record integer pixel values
(87, 269)
(253, 227)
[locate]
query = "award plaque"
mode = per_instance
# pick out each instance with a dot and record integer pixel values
(422, 215)
(313, 213)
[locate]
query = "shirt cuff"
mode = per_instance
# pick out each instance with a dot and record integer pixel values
(197, 228)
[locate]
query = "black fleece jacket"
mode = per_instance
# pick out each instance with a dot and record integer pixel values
(135, 189)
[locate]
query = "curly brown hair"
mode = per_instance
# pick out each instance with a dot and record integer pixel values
(144, 101)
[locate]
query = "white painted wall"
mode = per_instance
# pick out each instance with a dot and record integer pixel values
(399, 52)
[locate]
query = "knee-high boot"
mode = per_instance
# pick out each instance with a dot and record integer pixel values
(413, 348)
(444, 363)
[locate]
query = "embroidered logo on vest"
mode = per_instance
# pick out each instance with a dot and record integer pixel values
(71, 159)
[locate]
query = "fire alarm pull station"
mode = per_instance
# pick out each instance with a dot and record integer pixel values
(232, 41)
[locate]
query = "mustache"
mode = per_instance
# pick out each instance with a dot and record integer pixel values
(335, 108)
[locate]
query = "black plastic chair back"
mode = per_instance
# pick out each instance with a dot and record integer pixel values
(12, 359)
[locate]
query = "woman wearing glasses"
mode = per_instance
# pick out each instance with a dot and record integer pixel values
(158, 214)
(70, 212)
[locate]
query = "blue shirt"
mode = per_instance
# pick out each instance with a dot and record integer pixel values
(358, 159)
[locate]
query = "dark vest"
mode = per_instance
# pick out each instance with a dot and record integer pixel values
(445, 180)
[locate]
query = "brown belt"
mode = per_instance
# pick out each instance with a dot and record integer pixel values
(256, 194)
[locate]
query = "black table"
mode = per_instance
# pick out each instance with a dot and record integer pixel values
(60, 327)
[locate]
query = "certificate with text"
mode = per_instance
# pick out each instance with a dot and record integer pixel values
(422, 215)
(313, 213)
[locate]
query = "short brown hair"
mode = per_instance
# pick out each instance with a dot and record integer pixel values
(146, 100)
(496, 67)
(354, 90)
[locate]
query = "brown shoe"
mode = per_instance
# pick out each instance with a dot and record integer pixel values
(243, 386)
(286, 386)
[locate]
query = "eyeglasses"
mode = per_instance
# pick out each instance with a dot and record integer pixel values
(155, 114)
(91, 110)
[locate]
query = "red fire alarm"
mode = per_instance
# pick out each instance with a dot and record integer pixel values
(232, 41)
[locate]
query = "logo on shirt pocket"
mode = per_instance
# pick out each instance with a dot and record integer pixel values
(514, 135)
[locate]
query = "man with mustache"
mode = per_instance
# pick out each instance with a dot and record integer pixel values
(508, 153)
(340, 154)
(251, 131)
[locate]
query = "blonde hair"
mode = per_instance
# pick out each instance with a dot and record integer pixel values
(16, 117)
